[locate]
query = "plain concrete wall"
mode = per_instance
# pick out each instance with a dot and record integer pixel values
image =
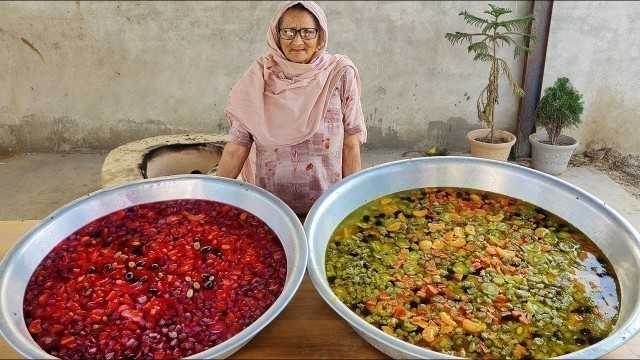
(100, 74)
(596, 44)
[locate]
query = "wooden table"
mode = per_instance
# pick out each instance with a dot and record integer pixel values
(306, 329)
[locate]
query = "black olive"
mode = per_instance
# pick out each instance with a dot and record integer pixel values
(153, 291)
(353, 253)
(143, 279)
(107, 267)
(508, 317)
(585, 331)
(208, 285)
(580, 341)
(593, 339)
(205, 249)
(155, 267)
(378, 223)
(91, 270)
(217, 253)
(366, 218)
(138, 251)
(141, 263)
(128, 276)
(331, 279)
(397, 213)
(413, 304)
(367, 266)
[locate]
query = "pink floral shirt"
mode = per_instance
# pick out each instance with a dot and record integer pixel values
(299, 174)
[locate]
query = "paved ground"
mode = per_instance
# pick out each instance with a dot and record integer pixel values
(34, 185)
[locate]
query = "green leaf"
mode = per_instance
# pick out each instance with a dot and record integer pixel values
(479, 47)
(472, 19)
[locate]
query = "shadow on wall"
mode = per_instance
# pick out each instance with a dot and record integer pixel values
(40, 133)
(450, 134)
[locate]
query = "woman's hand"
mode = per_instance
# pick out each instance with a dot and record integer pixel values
(351, 162)
(233, 158)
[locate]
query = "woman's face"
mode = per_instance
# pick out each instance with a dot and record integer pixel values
(298, 50)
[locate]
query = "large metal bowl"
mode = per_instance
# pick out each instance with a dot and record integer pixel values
(28, 252)
(610, 231)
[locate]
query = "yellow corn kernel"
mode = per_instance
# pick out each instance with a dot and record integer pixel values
(458, 242)
(385, 201)
(436, 226)
(472, 326)
(495, 217)
(420, 213)
(387, 330)
(447, 320)
(389, 209)
(541, 232)
(394, 227)
(425, 245)
(438, 244)
(445, 330)
(470, 229)
(429, 333)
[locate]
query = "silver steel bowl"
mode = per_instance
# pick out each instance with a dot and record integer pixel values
(28, 252)
(619, 241)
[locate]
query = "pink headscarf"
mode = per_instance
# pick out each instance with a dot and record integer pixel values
(282, 103)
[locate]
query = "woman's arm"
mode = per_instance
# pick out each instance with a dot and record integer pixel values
(233, 158)
(351, 162)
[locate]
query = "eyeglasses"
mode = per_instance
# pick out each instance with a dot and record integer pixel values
(305, 34)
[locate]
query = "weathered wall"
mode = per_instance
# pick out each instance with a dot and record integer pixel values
(596, 44)
(101, 74)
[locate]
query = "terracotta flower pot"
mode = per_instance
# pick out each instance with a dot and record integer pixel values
(498, 151)
(551, 159)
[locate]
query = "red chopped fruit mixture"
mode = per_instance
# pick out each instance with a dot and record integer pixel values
(164, 280)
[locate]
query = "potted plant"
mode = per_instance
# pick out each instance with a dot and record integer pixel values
(494, 33)
(559, 108)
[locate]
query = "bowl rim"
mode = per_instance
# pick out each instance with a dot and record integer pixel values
(617, 338)
(24, 344)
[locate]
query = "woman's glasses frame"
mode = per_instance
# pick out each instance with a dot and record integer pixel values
(305, 33)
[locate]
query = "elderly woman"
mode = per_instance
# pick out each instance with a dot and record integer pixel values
(296, 118)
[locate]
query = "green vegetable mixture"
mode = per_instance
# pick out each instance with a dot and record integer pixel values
(473, 274)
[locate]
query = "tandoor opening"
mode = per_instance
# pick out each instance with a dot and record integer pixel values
(176, 159)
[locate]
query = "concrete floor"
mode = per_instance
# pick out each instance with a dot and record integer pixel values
(34, 185)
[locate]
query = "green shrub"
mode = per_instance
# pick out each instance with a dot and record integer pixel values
(559, 108)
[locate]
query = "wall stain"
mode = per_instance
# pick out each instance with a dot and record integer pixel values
(40, 133)
(29, 44)
(450, 134)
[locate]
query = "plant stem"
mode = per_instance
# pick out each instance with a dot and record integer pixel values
(494, 76)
